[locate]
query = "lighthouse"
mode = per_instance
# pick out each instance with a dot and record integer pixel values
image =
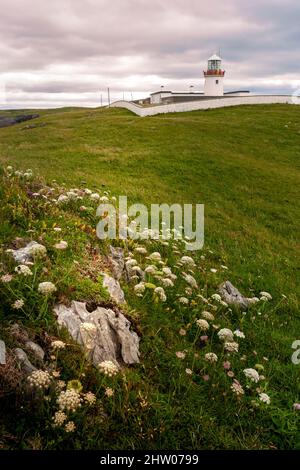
(214, 77)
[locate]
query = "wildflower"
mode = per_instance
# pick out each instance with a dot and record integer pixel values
(237, 388)
(59, 418)
(62, 245)
(180, 354)
(46, 288)
(88, 327)
(109, 392)
(183, 300)
(231, 346)
(211, 357)
(150, 269)
(167, 271)
(155, 256)
(57, 229)
(239, 334)
(57, 344)
(230, 373)
(223, 266)
(166, 282)
(18, 304)
(204, 338)
(139, 289)
(70, 426)
(60, 384)
(24, 270)
(69, 400)
(140, 250)
(190, 280)
(205, 377)
(104, 199)
(265, 398)
(39, 379)
(213, 270)
(296, 406)
(55, 374)
(37, 250)
(202, 324)
(188, 291)
(182, 332)
(74, 385)
(188, 261)
(225, 334)
(265, 296)
(251, 374)
(94, 197)
(90, 398)
(226, 365)
(108, 368)
(161, 293)
(207, 315)
(6, 278)
(62, 198)
(216, 297)
(189, 371)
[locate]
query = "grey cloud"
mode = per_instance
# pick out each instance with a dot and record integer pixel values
(76, 46)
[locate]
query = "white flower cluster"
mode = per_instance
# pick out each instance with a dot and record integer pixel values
(70, 426)
(23, 270)
(39, 379)
(190, 280)
(251, 374)
(37, 250)
(265, 296)
(237, 388)
(46, 288)
(59, 418)
(202, 324)
(225, 334)
(231, 346)
(161, 293)
(139, 289)
(265, 398)
(239, 334)
(57, 344)
(108, 368)
(211, 357)
(207, 315)
(89, 398)
(69, 400)
(187, 261)
(18, 304)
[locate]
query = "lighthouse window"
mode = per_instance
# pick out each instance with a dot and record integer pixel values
(217, 82)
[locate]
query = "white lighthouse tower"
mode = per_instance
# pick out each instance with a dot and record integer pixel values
(214, 77)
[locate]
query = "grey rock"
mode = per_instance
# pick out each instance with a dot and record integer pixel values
(2, 352)
(232, 296)
(35, 349)
(23, 361)
(23, 254)
(114, 289)
(117, 262)
(104, 334)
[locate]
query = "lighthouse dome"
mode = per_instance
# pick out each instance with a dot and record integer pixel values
(215, 57)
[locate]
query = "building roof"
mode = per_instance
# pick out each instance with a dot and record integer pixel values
(215, 57)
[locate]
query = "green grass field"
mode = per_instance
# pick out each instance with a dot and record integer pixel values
(243, 164)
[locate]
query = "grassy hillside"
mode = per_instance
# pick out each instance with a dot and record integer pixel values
(243, 164)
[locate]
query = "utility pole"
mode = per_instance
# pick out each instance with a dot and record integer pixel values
(101, 100)
(108, 96)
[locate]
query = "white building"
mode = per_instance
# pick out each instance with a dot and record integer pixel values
(213, 87)
(214, 77)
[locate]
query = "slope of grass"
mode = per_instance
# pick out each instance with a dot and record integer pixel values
(243, 164)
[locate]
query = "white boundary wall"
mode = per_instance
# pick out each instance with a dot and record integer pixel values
(203, 104)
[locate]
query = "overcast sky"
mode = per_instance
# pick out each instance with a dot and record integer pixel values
(67, 52)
